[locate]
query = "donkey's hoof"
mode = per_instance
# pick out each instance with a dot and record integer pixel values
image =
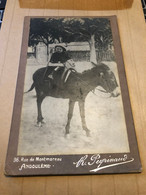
(87, 131)
(43, 122)
(39, 124)
(67, 136)
(88, 134)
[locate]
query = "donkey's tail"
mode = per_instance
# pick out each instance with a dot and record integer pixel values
(31, 88)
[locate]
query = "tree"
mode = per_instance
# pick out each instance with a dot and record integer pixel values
(44, 30)
(96, 31)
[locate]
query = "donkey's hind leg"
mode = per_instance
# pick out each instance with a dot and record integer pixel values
(40, 98)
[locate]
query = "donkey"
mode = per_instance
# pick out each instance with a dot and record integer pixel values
(76, 88)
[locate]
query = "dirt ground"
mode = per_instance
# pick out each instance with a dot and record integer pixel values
(104, 118)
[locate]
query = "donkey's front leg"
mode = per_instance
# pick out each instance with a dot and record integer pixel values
(70, 114)
(82, 114)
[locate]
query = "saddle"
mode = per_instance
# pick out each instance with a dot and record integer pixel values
(59, 76)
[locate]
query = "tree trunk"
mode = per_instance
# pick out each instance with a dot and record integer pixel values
(93, 57)
(48, 53)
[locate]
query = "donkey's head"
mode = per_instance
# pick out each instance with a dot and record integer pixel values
(107, 80)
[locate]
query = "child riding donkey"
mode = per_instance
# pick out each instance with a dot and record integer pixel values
(61, 58)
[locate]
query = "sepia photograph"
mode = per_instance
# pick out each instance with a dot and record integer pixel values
(72, 102)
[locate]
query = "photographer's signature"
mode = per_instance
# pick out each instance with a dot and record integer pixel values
(102, 163)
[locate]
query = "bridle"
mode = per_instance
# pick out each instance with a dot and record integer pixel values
(87, 84)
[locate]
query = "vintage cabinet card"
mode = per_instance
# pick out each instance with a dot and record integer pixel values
(72, 113)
